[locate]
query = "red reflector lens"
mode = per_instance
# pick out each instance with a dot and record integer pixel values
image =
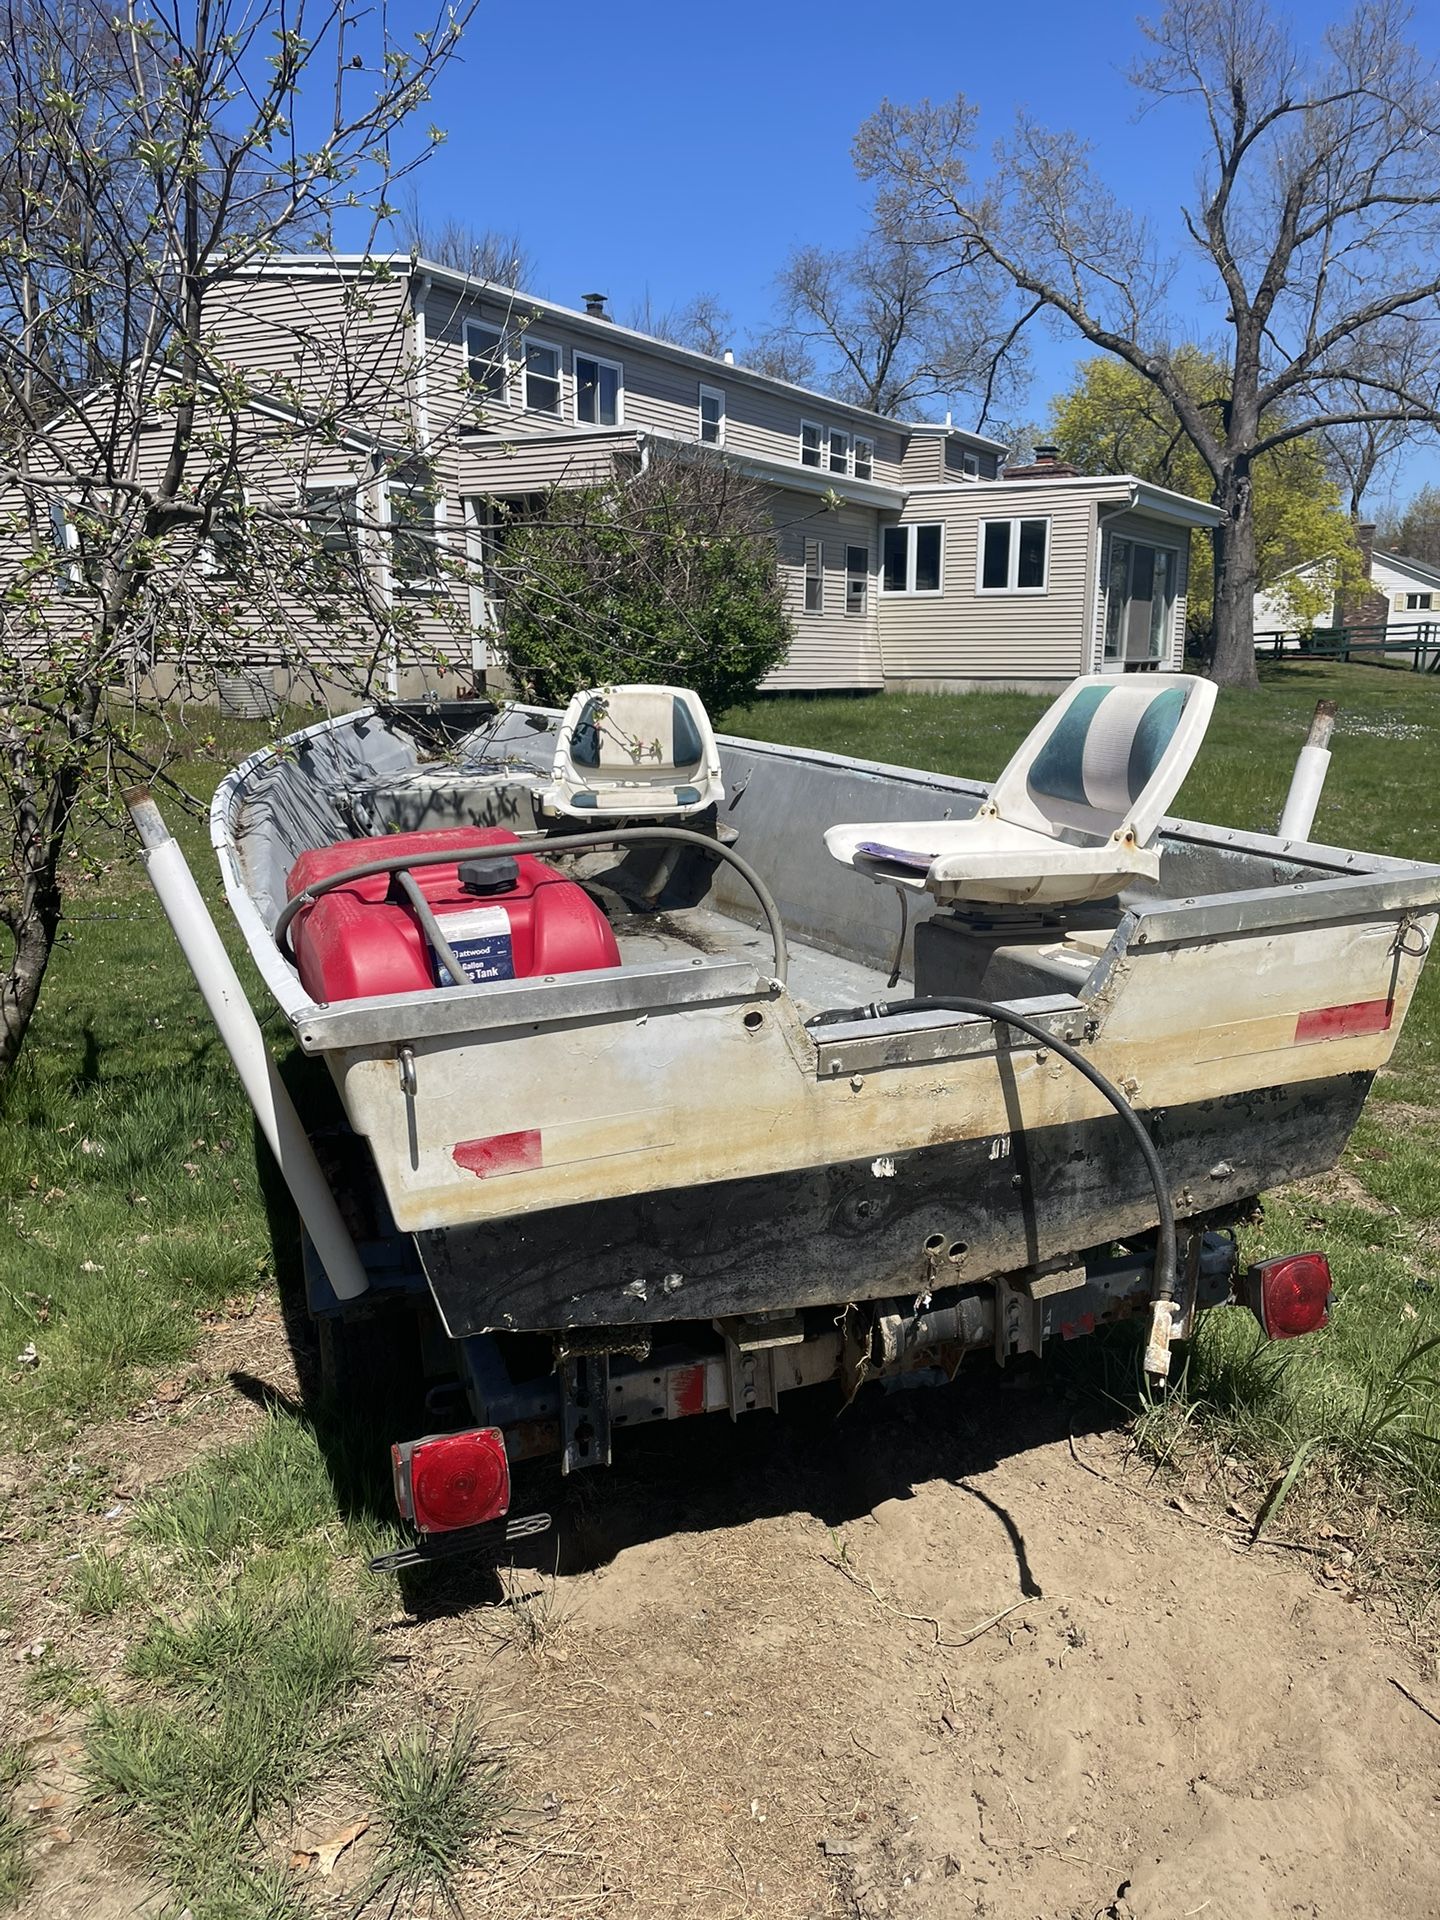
(455, 1480)
(1291, 1295)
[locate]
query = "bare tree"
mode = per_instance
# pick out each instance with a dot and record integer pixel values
(1316, 211)
(153, 157)
(701, 323)
(890, 325)
(486, 253)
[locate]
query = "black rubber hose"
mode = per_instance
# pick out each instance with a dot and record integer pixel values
(540, 843)
(1164, 1288)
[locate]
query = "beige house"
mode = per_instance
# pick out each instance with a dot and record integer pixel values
(908, 559)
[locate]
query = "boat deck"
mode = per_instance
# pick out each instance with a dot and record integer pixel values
(818, 980)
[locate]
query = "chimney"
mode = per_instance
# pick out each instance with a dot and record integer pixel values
(1045, 464)
(1367, 608)
(595, 305)
(728, 356)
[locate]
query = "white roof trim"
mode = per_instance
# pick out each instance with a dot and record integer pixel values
(1159, 501)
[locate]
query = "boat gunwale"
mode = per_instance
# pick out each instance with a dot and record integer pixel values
(1351, 885)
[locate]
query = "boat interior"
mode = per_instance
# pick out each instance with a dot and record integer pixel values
(860, 925)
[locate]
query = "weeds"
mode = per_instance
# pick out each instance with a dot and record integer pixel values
(15, 1875)
(101, 1583)
(438, 1796)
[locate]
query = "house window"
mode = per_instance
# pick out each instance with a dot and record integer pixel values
(811, 439)
(814, 577)
(224, 549)
(864, 458)
(486, 359)
(1013, 556)
(1419, 602)
(970, 465)
(414, 534)
(65, 539)
(910, 559)
(599, 391)
(542, 377)
(712, 417)
(857, 574)
(839, 451)
(489, 523)
(331, 521)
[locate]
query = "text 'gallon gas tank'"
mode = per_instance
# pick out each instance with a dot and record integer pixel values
(518, 918)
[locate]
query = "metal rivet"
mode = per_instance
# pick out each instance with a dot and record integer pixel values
(857, 1081)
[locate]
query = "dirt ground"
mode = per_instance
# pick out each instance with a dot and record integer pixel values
(950, 1655)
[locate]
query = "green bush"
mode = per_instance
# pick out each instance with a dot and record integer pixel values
(665, 575)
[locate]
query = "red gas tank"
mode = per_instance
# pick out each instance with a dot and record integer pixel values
(363, 938)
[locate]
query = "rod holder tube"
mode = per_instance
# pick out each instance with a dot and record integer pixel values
(199, 938)
(1308, 780)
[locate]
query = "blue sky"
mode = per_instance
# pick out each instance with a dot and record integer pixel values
(649, 148)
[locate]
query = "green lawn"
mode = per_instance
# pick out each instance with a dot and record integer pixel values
(135, 1213)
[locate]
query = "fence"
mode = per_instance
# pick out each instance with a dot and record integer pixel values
(1417, 647)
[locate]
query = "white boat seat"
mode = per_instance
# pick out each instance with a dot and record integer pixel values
(1076, 814)
(634, 750)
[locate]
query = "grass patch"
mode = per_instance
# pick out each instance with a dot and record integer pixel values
(240, 1693)
(15, 1874)
(101, 1584)
(439, 1795)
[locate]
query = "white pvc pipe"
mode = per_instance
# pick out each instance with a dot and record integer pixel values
(1308, 780)
(219, 984)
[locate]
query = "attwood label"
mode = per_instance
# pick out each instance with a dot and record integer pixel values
(482, 944)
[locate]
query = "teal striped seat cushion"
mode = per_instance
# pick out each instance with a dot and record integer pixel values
(1107, 746)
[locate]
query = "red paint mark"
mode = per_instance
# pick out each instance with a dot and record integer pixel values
(1073, 1329)
(1338, 1023)
(687, 1390)
(500, 1153)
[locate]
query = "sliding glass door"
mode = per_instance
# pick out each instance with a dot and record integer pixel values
(1140, 587)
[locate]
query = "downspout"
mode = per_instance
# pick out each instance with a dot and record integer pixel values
(419, 382)
(1102, 520)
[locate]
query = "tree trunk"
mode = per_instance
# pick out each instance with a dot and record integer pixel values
(20, 986)
(1236, 578)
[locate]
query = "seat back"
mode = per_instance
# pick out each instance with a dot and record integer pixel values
(635, 750)
(1111, 754)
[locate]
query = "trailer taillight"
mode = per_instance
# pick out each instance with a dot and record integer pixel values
(452, 1480)
(1291, 1295)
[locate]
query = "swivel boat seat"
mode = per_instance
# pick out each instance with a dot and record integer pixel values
(1076, 814)
(629, 752)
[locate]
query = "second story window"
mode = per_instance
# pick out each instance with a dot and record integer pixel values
(486, 359)
(599, 391)
(712, 417)
(542, 377)
(839, 451)
(811, 438)
(864, 458)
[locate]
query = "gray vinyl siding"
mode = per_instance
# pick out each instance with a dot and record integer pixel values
(276, 460)
(1159, 533)
(832, 648)
(497, 467)
(342, 346)
(963, 634)
(660, 394)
